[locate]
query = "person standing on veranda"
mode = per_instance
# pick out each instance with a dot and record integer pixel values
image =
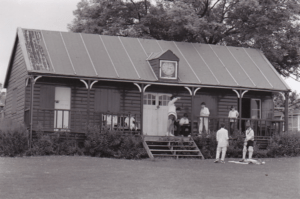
(172, 115)
(233, 115)
(203, 123)
(222, 139)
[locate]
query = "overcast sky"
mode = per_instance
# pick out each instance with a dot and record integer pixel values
(33, 14)
(41, 14)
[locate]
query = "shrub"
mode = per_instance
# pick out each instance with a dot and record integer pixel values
(113, 144)
(207, 144)
(13, 138)
(284, 145)
(53, 144)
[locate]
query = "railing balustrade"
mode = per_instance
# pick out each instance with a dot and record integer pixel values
(79, 120)
(261, 127)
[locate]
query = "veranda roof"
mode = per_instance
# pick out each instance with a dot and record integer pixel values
(124, 58)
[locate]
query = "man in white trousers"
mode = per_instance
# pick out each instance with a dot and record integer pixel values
(222, 139)
(172, 115)
(203, 123)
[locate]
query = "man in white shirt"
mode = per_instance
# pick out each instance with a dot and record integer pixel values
(130, 120)
(222, 139)
(184, 120)
(248, 144)
(184, 125)
(204, 113)
(172, 115)
(233, 115)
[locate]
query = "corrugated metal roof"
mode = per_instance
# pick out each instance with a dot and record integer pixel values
(156, 55)
(90, 55)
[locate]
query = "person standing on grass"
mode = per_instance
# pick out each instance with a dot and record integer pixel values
(222, 139)
(248, 144)
(172, 115)
(233, 115)
(204, 113)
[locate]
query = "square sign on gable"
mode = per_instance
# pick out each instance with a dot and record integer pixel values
(165, 65)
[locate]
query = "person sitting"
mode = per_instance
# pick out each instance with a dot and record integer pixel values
(130, 122)
(110, 120)
(184, 125)
(184, 120)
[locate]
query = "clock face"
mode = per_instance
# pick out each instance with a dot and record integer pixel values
(168, 70)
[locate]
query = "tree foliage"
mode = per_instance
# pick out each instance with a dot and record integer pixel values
(294, 100)
(269, 25)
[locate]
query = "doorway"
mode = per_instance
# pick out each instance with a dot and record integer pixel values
(251, 109)
(246, 108)
(62, 108)
(155, 113)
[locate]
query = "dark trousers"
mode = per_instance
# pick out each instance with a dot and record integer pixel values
(185, 130)
(231, 127)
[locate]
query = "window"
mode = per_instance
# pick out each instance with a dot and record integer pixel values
(107, 100)
(163, 100)
(156, 99)
(255, 108)
(149, 99)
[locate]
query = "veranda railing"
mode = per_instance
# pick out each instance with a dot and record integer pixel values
(261, 127)
(79, 120)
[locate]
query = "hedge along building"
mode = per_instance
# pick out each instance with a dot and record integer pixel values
(62, 81)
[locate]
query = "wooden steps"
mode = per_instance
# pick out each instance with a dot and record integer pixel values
(165, 146)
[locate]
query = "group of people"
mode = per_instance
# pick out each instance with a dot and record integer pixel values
(203, 121)
(223, 143)
(172, 117)
(222, 134)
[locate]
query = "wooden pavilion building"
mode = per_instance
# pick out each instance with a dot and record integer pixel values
(62, 81)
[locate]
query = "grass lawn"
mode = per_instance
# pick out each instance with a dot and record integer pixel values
(87, 177)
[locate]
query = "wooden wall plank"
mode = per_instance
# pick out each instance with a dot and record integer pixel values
(16, 81)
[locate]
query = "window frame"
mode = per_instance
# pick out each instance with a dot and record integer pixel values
(252, 99)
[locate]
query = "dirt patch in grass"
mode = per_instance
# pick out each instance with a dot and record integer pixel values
(86, 177)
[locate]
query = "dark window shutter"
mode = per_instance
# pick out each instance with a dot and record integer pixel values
(115, 101)
(107, 100)
(100, 103)
(47, 96)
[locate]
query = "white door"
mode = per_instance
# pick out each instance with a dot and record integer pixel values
(62, 107)
(155, 116)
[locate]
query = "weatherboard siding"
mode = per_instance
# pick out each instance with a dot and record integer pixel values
(15, 101)
(121, 97)
(129, 101)
(225, 102)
